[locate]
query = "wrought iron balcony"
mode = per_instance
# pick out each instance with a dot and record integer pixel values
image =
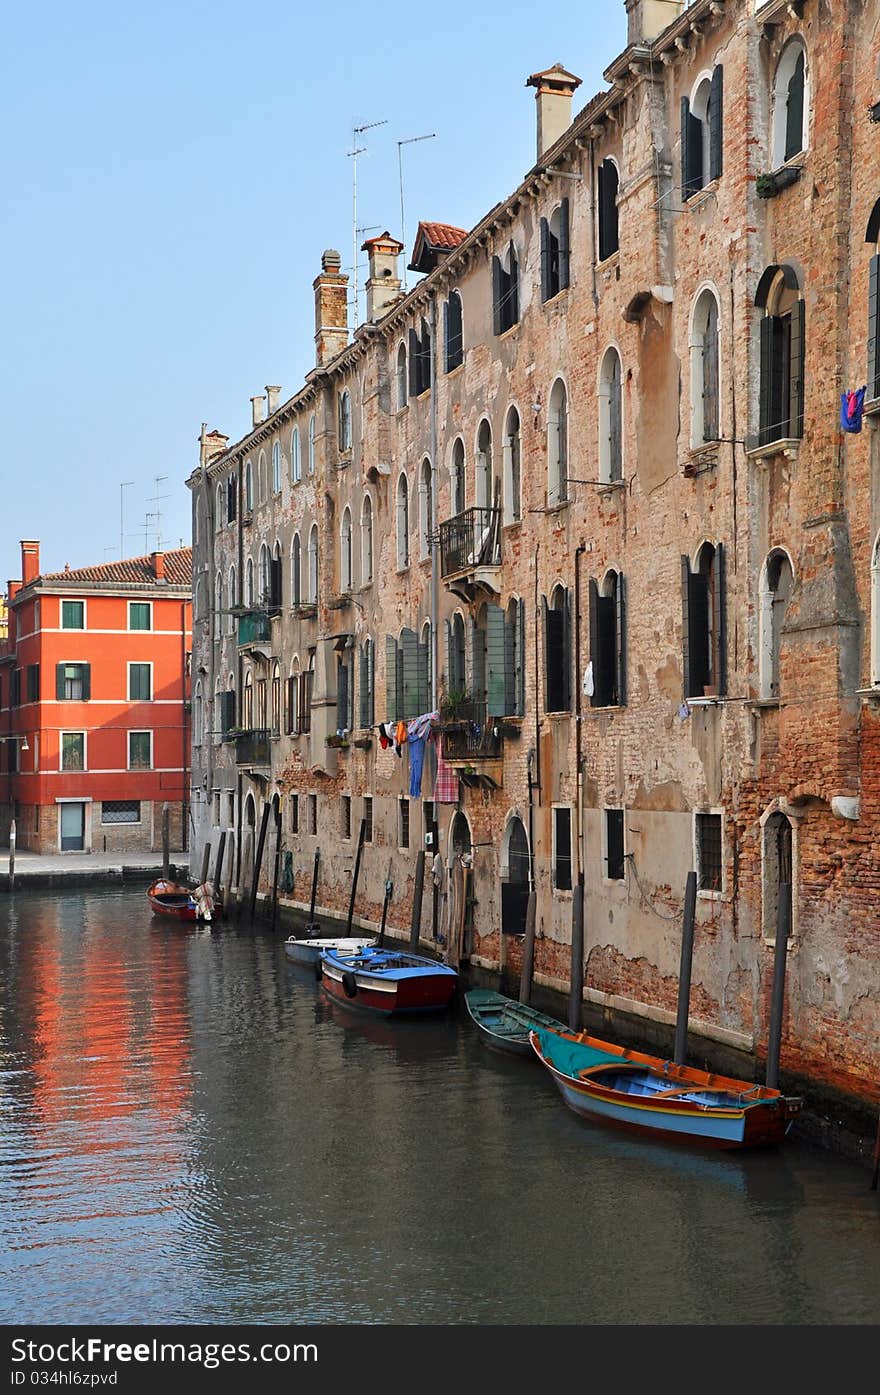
(469, 733)
(254, 627)
(470, 541)
(253, 747)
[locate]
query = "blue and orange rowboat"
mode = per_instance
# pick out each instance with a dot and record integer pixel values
(648, 1095)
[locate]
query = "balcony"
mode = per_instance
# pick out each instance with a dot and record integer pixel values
(252, 748)
(253, 628)
(472, 742)
(470, 553)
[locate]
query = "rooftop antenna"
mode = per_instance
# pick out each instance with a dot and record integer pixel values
(157, 497)
(355, 151)
(127, 485)
(400, 144)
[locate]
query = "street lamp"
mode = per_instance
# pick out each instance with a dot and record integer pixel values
(16, 737)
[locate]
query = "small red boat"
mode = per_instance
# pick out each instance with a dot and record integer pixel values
(169, 898)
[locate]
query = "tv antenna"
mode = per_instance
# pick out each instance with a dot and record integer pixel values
(126, 485)
(157, 498)
(355, 151)
(411, 140)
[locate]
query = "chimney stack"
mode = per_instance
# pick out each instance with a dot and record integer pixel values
(383, 282)
(554, 90)
(30, 561)
(157, 563)
(272, 394)
(211, 444)
(331, 309)
(648, 18)
(258, 409)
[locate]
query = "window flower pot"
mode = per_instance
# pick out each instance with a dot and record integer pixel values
(769, 185)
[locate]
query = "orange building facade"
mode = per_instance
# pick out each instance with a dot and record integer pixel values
(94, 704)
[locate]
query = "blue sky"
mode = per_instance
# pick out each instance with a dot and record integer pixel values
(173, 173)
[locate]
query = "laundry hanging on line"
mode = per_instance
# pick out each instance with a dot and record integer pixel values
(852, 405)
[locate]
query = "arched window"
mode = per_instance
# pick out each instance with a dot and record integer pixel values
(456, 666)
(248, 487)
(515, 875)
(249, 583)
(275, 579)
(778, 860)
(426, 649)
(457, 476)
(293, 685)
(608, 184)
(702, 142)
(483, 467)
(704, 371)
(217, 712)
(313, 565)
(261, 478)
(312, 437)
(295, 462)
(231, 498)
(607, 622)
(512, 467)
(557, 651)
(453, 336)
(790, 103)
(610, 418)
(276, 467)
(402, 522)
(265, 575)
(218, 601)
(367, 685)
(505, 290)
(247, 713)
(875, 614)
(219, 510)
(781, 393)
(703, 623)
(197, 732)
(276, 700)
(557, 444)
(344, 422)
(401, 377)
(295, 571)
(777, 581)
(426, 507)
(367, 540)
(197, 521)
(871, 236)
(345, 552)
(232, 600)
(554, 252)
(514, 659)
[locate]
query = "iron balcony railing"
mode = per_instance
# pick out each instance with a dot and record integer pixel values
(254, 627)
(253, 747)
(469, 732)
(470, 539)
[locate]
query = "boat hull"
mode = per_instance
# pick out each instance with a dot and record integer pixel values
(361, 983)
(175, 907)
(502, 1023)
(308, 952)
(170, 899)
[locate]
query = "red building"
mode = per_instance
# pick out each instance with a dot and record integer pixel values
(94, 704)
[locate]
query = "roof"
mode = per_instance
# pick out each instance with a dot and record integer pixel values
(134, 571)
(433, 240)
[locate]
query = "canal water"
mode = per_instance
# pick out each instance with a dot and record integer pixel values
(191, 1133)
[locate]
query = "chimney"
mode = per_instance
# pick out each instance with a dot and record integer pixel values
(383, 282)
(331, 309)
(30, 562)
(648, 18)
(211, 444)
(157, 565)
(272, 393)
(258, 409)
(554, 90)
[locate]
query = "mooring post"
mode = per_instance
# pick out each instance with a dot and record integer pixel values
(777, 998)
(264, 824)
(218, 868)
(276, 868)
(576, 979)
(418, 889)
(684, 972)
(12, 855)
(389, 892)
(528, 963)
(206, 863)
(166, 842)
(354, 880)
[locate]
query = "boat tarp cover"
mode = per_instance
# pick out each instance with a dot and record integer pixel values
(569, 1057)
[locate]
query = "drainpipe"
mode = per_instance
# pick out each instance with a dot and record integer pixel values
(537, 783)
(579, 781)
(435, 540)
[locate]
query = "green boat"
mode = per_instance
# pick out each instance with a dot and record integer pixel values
(504, 1023)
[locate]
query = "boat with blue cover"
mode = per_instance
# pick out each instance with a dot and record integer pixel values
(387, 981)
(599, 1080)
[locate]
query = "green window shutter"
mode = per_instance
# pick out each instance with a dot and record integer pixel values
(564, 244)
(424, 684)
(510, 642)
(874, 328)
(765, 392)
(342, 714)
(59, 681)
(794, 114)
(513, 289)
(520, 708)
(414, 352)
(545, 259)
(716, 124)
(796, 371)
(410, 663)
(720, 599)
(621, 639)
(362, 687)
(686, 626)
(686, 189)
(86, 675)
(391, 712)
(594, 639)
(566, 653)
(496, 295)
(495, 665)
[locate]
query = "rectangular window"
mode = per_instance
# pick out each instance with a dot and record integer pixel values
(121, 811)
(403, 838)
(140, 750)
(216, 808)
(73, 750)
(313, 813)
(230, 809)
(73, 615)
(140, 615)
(345, 815)
(707, 831)
(15, 688)
(139, 683)
(562, 849)
(32, 682)
(615, 863)
(368, 818)
(294, 813)
(73, 682)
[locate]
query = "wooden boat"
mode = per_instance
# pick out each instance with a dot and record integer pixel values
(387, 981)
(170, 898)
(308, 951)
(599, 1080)
(503, 1023)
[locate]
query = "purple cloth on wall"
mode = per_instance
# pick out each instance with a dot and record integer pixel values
(851, 405)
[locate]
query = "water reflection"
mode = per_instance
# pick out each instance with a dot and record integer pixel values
(191, 1131)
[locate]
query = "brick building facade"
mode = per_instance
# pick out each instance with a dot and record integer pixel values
(585, 492)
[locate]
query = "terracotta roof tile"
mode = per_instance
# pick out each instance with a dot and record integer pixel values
(133, 571)
(442, 235)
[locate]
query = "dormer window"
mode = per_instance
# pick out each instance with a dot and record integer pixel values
(505, 290)
(554, 252)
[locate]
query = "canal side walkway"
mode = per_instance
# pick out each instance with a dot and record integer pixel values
(62, 870)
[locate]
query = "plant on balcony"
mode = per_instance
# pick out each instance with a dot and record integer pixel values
(337, 740)
(768, 185)
(454, 705)
(363, 743)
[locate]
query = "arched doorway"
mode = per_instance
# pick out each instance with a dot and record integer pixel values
(461, 890)
(777, 871)
(248, 842)
(514, 878)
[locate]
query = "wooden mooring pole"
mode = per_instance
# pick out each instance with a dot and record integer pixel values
(218, 869)
(12, 855)
(418, 889)
(264, 824)
(777, 999)
(576, 979)
(166, 842)
(206, 863)
(528, 963)
(684, 972)
(276, 869)
(354, 880)
(389, 892)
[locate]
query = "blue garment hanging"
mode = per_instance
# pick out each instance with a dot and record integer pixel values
(416, 746)
(851, 407)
